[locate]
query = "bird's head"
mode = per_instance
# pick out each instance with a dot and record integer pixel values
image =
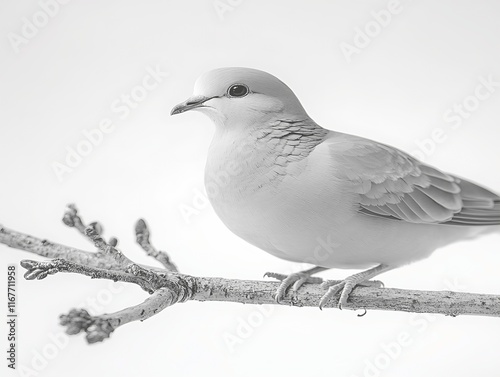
(242, 96)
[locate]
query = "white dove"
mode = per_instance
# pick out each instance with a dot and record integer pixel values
(307, 194)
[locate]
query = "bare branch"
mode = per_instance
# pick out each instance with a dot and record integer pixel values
(72, 219)
(107, 249)
(147, 280)
(142, 235)
(261, 292)
(169, 286)
(99, 328)
(185, 287)
(49, 249)
(390, 299)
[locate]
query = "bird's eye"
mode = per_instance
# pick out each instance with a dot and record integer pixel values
(238, 90)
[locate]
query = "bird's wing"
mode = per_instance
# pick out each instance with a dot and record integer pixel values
(392, 184)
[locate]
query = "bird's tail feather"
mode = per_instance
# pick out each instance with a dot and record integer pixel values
(480, 205)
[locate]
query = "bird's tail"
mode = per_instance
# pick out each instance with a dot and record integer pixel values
(481, 206)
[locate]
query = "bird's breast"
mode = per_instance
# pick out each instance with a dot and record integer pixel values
(268, 197)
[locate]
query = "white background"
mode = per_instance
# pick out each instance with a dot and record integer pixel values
(396, 90)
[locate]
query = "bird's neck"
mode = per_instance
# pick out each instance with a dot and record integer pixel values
(241, 161)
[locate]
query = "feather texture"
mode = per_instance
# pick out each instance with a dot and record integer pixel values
(391, 184)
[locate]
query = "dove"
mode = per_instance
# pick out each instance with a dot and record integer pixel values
(308, 194)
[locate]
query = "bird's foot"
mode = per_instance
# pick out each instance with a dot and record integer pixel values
(295, 280)
(346, 286)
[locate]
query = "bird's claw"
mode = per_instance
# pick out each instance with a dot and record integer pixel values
(346, 288)
(275, 275)
(333, 288)
(295, 281)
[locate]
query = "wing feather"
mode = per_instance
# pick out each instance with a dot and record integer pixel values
(391, 184)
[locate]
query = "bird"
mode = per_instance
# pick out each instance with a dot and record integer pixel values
(308, 194)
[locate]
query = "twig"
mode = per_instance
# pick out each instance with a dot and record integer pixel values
(72, 219)
(99, 328)
(107, 249)
(142, 236)
(40, 270)
(49, 249)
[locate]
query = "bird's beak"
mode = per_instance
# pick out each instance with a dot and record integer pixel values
(189, 104)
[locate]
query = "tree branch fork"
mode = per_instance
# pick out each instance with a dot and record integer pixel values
(167, 286)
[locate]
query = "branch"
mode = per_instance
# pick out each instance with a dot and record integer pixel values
(186, 287)
(147, 280)
(367, 298)
(142, 237)
(167, 286)
(100, 327)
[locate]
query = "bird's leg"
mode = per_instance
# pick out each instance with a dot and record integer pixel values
(297, 279)
(361, 278)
